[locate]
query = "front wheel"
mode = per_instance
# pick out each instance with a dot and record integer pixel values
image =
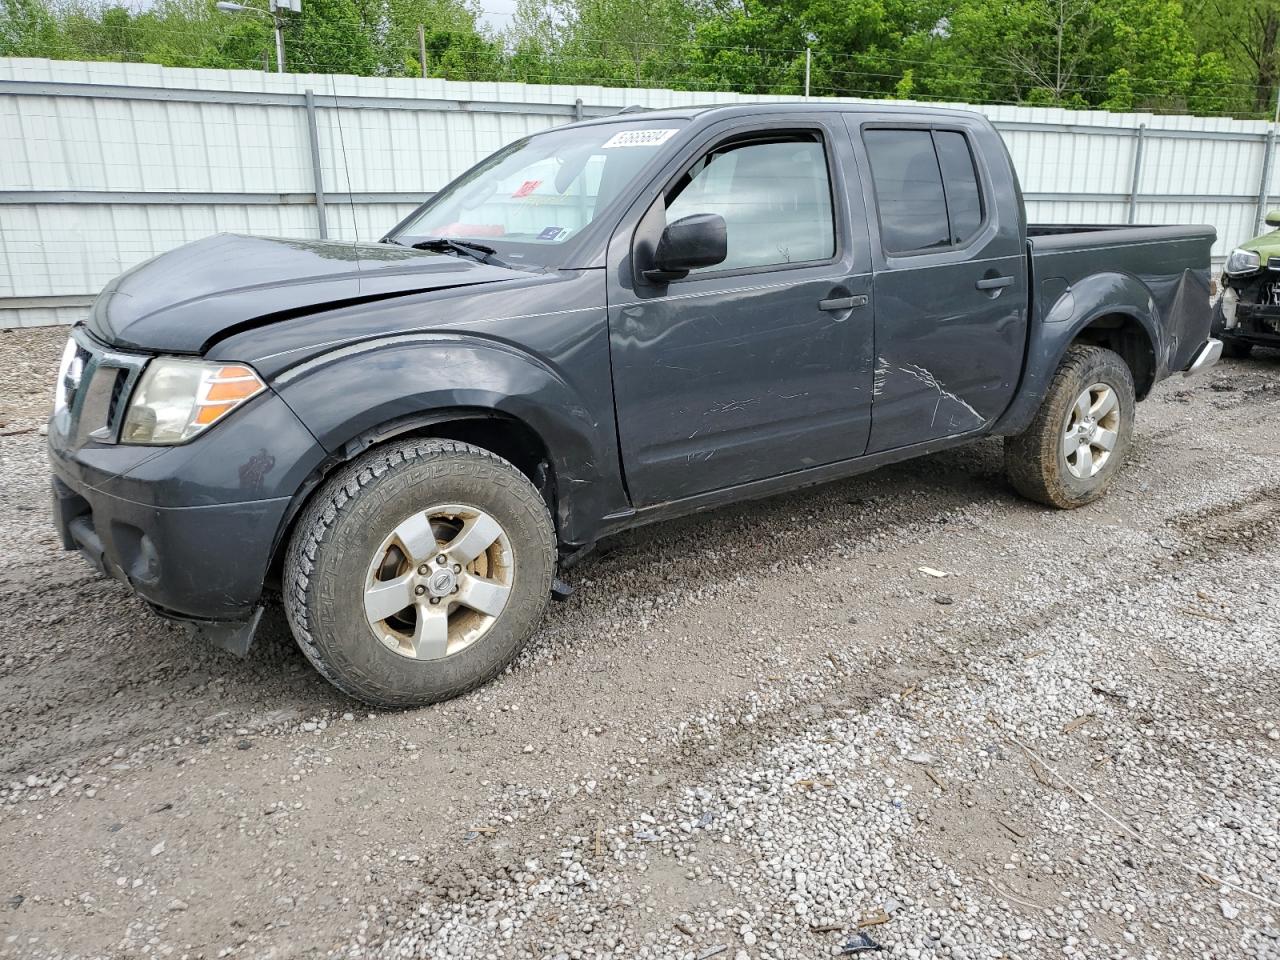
(1081, 433)
(419, 571)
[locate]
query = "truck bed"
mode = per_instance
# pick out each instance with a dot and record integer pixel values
(1156, 258)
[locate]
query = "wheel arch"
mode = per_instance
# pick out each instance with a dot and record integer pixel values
(1123, 333)
(493, 430)
(1111, 310)
(479, 390)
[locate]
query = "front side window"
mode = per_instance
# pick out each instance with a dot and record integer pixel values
(774, 195)
(926, 187)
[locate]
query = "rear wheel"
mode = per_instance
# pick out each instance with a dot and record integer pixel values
(1080, 434)
(419, 571)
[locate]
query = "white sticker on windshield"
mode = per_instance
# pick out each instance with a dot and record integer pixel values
(638, 138)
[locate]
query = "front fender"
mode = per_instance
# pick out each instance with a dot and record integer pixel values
(1060, 322)
(355, 390)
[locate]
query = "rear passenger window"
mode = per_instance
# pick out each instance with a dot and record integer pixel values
(774, 195)
(926, 187)
(960, 179)
(908, 185)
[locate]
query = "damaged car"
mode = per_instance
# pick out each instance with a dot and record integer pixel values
(602, 325)
(1247, 313)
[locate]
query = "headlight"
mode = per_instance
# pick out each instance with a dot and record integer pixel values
(1242, 261)
(177, 399)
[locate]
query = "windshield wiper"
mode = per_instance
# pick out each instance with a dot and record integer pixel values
(462, 248)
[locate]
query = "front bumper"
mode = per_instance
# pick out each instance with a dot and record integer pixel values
(192, 529)
(1252, 316)
(203, 566)
(1253, 324)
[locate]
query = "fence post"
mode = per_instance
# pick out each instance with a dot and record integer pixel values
(577, 109)
(317, 172)
(1137, 171)
(422, 49)
(1268, 149)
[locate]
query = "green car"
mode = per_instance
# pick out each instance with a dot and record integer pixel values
(1248, 312)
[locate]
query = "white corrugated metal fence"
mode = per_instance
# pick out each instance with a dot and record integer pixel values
(103, 165)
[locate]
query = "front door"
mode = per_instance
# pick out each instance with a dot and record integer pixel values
(950, 281)
(760, 365)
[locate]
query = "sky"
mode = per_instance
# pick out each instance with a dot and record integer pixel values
(497, 13)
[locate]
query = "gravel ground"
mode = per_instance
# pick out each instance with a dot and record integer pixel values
(759, 733)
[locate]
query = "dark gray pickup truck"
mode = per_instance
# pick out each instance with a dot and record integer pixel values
(601, 325)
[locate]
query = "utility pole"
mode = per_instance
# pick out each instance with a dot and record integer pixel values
(274, 8)
(808, 63)
(1264, 188)
(422, 49)
(279, 25)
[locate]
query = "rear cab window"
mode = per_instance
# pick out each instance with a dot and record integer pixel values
(927, 189)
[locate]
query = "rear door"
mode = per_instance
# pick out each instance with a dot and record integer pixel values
(950, 288)
(761, 365)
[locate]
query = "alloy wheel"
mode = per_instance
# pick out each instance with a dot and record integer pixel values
(1091, 431)
(439, 581)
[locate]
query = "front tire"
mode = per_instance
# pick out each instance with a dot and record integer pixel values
(1075, 445)
(418, 572)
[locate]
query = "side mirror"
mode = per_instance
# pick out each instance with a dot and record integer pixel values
(699, 240)
(1273, 218)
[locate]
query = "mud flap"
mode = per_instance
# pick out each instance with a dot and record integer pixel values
(233, 636)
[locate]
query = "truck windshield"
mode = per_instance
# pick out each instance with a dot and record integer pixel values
(532, 197)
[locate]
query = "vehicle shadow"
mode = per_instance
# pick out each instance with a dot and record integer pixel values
(98, 675)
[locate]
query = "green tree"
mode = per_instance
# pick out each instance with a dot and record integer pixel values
(608, 42)
(457, 46)
(330, 36)
(1110, 54)
(1246, 33)
(857, 49)
(1113, 54)
(28, 28)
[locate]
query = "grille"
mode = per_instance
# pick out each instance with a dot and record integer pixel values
(114, 404)
(97, 388)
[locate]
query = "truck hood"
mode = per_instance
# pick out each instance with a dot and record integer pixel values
(1267, 245)
(186, 300)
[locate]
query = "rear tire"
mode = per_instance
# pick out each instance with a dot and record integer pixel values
(1081, 433)
(1236, 349)
(418, 572)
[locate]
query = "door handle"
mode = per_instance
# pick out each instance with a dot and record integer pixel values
(994, 283)
(834, 304)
